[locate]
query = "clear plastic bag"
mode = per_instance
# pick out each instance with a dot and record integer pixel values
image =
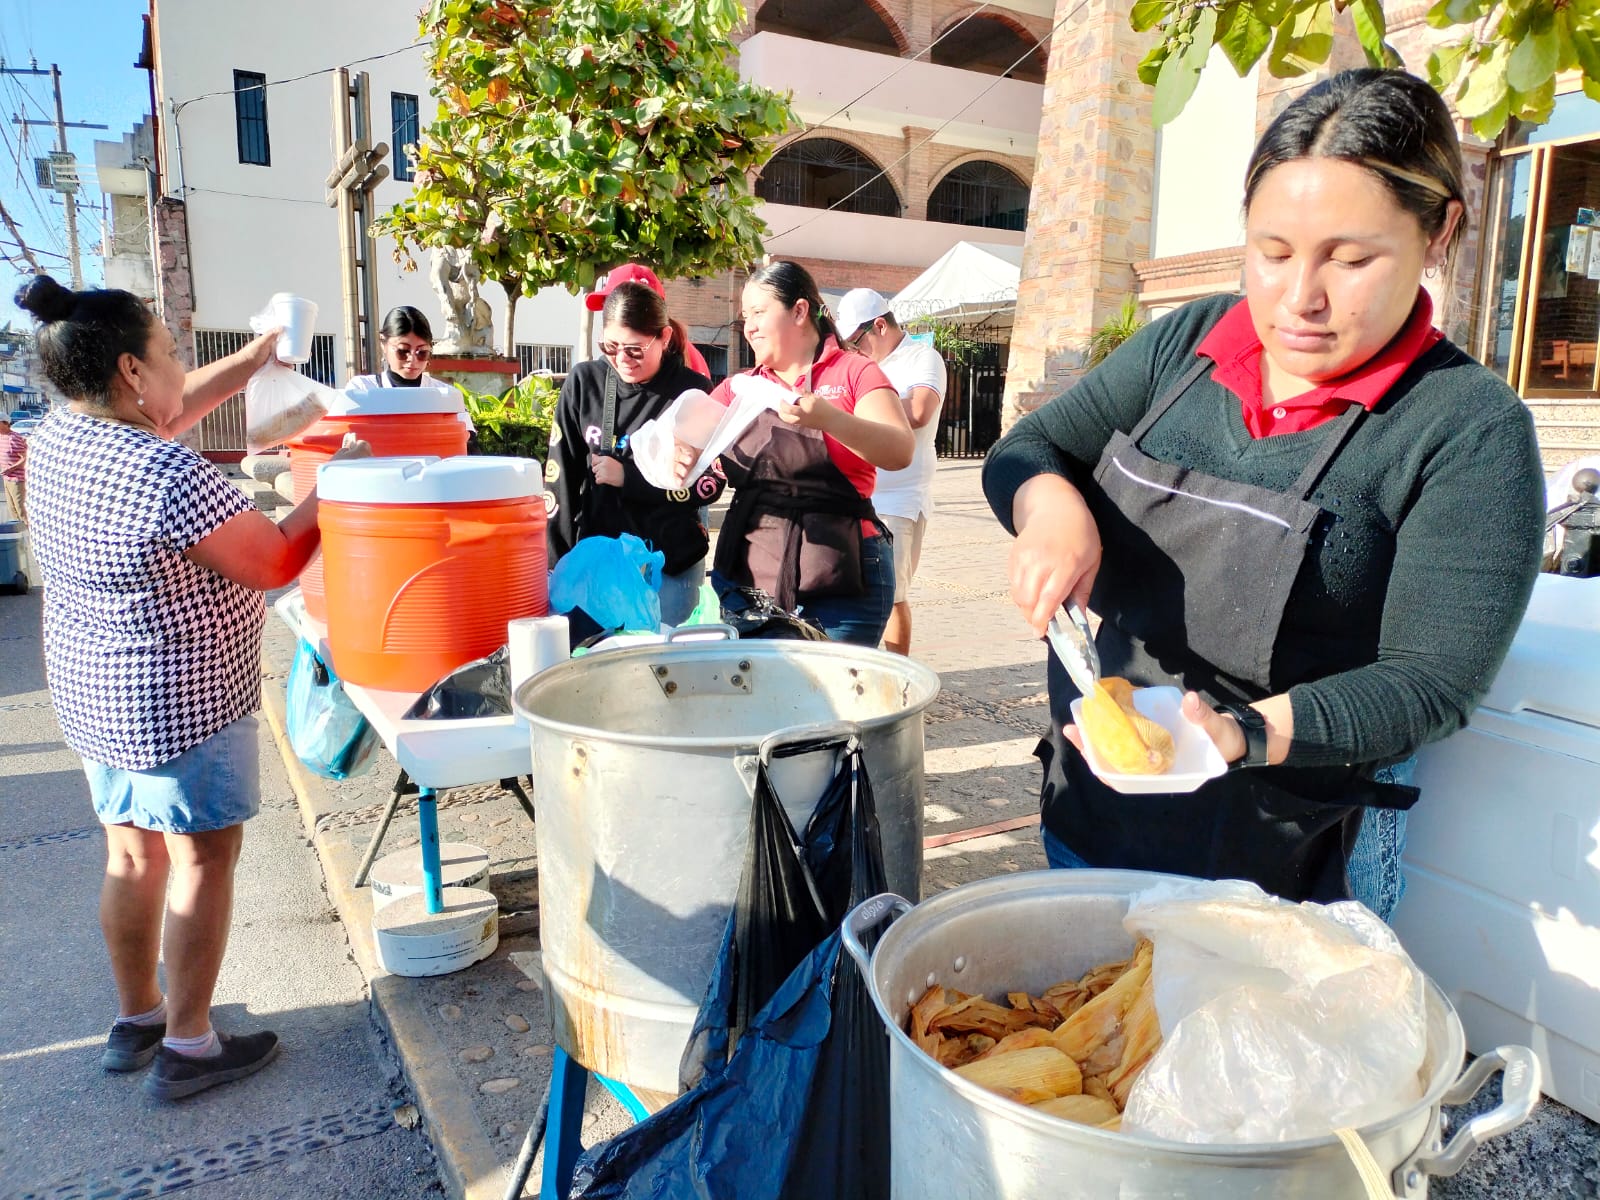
(1279, 1021)
(280, 402)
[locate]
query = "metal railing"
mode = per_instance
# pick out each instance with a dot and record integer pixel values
(555, 359)
(221, 431)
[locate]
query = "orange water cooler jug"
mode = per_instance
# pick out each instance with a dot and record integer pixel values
(419, 421)
(425, 561)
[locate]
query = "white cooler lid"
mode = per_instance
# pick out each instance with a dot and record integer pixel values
(1554, 663)
(430, 480)
(388, 402)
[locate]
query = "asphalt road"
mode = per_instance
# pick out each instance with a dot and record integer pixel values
(321, 1120)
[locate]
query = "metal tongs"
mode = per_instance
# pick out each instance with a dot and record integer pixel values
(1074, 646)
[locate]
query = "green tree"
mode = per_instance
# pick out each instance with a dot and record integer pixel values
(1503, 64)
(576, 135)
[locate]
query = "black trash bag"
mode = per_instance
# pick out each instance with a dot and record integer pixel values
(480, 688)
(777, 920)
(843, 844)
(755, 614)
(800, 1110)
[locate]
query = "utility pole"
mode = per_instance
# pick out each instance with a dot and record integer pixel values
(67, 183)
(358, 168)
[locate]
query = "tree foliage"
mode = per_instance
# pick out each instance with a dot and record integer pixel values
(575, 135)
(1502, 65)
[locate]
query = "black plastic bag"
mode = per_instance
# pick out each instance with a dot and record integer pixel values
(755, 614)
(777, 920)
(480, 688)
(800, 1110)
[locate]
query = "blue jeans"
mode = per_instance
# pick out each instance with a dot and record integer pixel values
(1057, 854)
(680, 593)
(1376, 878)
(859, 620)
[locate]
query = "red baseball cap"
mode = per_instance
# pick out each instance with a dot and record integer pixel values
(630, 273)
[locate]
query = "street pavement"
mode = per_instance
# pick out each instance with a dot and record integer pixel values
(475, 1045)
(319, 1120)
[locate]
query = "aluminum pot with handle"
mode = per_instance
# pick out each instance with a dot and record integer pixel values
(952, 1140)
(644, 766)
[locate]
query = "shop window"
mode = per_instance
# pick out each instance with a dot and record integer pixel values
(980, 193)
(827, 173)
(1542, 300)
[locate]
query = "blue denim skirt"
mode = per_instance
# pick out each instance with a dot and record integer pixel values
(213, 785)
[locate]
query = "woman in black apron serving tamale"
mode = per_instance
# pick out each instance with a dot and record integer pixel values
(801, 526)
(1306, 508)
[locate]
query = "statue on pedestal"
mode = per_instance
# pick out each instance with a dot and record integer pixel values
(468, 321)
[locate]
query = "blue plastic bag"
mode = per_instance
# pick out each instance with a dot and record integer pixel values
(326, 730)
(616, 581)
(800, 1108)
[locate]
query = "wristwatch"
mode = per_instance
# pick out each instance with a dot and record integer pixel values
(1254, 727)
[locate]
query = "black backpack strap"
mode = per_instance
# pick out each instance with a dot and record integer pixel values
(608, 421)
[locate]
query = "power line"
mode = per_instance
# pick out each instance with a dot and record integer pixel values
(178, 105)
(883, 172)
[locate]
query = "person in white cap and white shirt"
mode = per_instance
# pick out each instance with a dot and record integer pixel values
(903, 498)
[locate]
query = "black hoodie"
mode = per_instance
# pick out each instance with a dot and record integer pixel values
(578, 507)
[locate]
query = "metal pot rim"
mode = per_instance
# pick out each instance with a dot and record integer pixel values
(920, 679)
(1096, 882)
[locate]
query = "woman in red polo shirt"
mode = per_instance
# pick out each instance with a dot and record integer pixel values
(1307, 509)
(801, 526)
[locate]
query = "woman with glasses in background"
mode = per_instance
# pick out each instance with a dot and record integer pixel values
(406, 341)
(592, 487)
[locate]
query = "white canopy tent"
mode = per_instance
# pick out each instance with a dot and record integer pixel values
(971, 283)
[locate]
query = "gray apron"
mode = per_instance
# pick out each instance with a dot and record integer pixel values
(1196, 575)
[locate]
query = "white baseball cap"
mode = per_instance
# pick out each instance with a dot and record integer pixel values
(856, 308)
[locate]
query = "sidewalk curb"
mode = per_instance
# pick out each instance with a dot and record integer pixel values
(469, 1166)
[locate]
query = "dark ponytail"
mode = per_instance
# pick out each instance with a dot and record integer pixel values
(792, 283)
(83, 334)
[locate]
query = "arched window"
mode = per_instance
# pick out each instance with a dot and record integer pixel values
(992, 46)
(821, 172)
(980, 193)
(837, 22)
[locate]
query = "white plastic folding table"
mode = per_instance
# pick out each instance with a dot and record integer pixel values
(434, 756)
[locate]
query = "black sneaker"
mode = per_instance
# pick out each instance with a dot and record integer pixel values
(178, 1075)
(131, 1046)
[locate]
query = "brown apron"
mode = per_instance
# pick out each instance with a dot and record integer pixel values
(794, 527)
(1196, 575)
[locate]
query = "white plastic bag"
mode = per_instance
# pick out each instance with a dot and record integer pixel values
(280, 402)
(652, 443)
(1279, 1021)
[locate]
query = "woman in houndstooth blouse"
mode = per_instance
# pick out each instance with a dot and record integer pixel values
(154, 567)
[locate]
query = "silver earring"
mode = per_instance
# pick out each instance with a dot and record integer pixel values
(140, 401)
(1431, 272)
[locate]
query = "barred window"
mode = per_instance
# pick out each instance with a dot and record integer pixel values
(827, 173)
(250, 117)
(980, 193)
(555, 359)
(403, 114)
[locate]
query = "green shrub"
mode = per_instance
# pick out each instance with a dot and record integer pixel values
(516, 422)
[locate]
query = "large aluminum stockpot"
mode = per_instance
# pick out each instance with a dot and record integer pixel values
(644, 763)
(952, 1140)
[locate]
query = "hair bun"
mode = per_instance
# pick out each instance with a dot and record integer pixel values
(46, 299)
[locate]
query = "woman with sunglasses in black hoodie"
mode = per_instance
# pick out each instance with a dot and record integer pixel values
(592, 487)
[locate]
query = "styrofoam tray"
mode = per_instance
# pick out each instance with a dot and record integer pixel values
(1196, 760)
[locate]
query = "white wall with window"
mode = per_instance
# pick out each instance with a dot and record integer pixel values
(251, 162)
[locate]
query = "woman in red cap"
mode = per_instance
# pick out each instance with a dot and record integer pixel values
(636, 273)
